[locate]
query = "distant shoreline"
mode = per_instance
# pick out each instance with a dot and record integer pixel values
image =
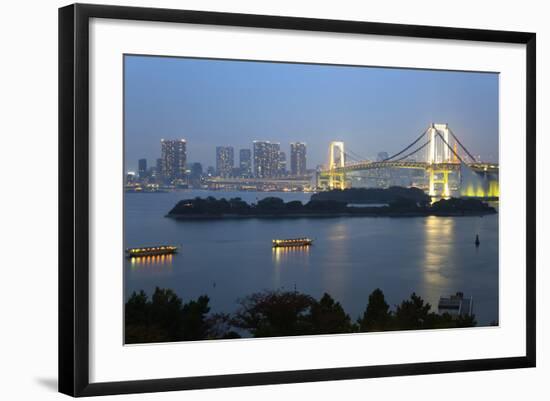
(378, 213)
(199, 209)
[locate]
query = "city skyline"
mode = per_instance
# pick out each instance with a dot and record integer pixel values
(264, 160)
(214, 103)
(297, 150)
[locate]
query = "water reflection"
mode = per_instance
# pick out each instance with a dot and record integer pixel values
(282, 254)
(349, 258)
(438, 254)
(151, 261)
(336, 274)
(295, 256)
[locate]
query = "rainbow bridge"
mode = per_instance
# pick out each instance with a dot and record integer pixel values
(437, 151)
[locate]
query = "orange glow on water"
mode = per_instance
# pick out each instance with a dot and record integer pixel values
(138, 262)
(281, 253)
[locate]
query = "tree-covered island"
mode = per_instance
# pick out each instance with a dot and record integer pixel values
(272, 207)
(373, 195)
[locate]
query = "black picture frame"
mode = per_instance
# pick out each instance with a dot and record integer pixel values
(74, 203)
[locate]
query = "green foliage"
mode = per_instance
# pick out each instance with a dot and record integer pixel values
(461, 205)
(403, 204)
(193, 315)
(328, 317)
(165, 318)
(238, 205)
(272, 314)
(294, 205)
(326, 206)
(209, 206)
(377, 315)
(400, 200)
(412, 313)
(271, 204)
(373, 195)
(275, 313)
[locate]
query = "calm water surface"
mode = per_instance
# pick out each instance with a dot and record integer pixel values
(230, 259)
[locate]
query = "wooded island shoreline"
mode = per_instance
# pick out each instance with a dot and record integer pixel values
(275, 208)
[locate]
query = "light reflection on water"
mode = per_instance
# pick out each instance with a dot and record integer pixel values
(151, 262)
(282, 256)
(349, 258)
(438, 248)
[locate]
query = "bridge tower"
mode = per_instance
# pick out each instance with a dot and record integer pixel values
(336, 178)
(439, 154)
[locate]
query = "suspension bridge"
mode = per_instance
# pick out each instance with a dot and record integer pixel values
(437, 151)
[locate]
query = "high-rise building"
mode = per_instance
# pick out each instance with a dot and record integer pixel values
(158, 169)
(142, 168)
(195, 175)
(382, 156)
(298, 164)
(174, 157)
(196, 170)
(245, 162)
(275, 154)
(266, 159)
(282, 163)
(224, 160)
(130, 177)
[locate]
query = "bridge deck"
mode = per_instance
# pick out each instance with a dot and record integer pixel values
(478, 167)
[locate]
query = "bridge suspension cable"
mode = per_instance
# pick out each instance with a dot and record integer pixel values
(462, 146)
(413, 152)
(408, 147)
(351, 157)
(355, 155)
(449, 146)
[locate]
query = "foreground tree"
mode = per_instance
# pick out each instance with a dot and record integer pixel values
(165, 318)
(193, 314)
(139, 327)
(220, 326)
(447, 321)
(377, 315)
(275, 313)
(412, 314)
(271, 314)
(328, 317)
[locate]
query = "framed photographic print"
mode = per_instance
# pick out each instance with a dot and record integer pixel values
(249, 199)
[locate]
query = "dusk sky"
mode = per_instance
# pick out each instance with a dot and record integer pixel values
(216, 102)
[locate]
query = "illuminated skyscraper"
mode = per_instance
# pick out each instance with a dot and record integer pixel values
(158, 169)
(224, 160)
(245, 162)
(142, 168)
(298, 159)
(282, 164)
(266, 159)
(174, 157)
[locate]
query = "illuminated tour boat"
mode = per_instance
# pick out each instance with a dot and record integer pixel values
(151, 251)
(277, 243)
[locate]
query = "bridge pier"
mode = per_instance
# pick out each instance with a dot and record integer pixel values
(337, 180)
(446, 192)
